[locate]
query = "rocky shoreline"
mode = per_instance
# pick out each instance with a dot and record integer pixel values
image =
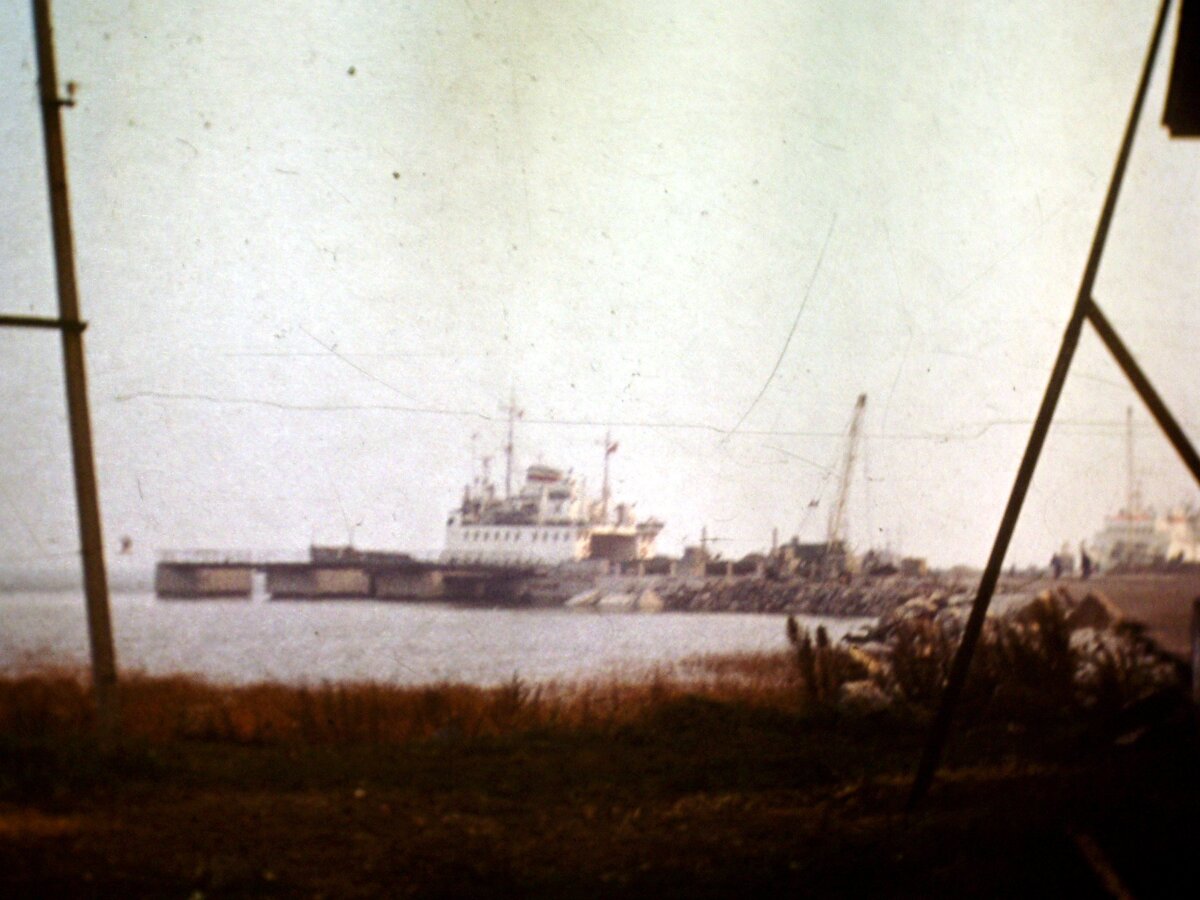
(863, 596)
(1075, 645)
(860, 596)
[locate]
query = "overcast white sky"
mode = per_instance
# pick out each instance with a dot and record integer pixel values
(320, 242)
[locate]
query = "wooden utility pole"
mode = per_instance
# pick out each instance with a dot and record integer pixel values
(104, 664)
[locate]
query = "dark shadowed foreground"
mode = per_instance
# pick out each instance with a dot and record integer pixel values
(730, 774)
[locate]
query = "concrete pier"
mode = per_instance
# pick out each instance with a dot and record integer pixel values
(303, 581)
(419, 585)
(187, 580)
(329, 576)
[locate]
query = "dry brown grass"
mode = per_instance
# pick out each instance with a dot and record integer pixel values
(1025, 668)
(759, 679)
(163, 709)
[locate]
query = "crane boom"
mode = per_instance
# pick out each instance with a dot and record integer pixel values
(837, 518)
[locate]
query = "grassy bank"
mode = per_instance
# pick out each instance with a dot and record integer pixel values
(725, 774)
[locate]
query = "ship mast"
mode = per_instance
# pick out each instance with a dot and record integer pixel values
(609, 449)
(1131, 498)
(513, 413)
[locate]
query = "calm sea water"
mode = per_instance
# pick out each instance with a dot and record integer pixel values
(400, 643)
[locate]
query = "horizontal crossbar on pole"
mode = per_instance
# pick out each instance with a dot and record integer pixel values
(1141, 384)
(41, 322)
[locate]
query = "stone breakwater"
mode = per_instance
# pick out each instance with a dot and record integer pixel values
(865, 596)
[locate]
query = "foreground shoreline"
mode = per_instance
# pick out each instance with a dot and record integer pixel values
(736, 773)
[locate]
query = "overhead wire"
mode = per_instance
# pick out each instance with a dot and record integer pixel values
(977, 429)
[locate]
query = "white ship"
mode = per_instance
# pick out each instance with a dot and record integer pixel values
(1137, 536)
(549, 521)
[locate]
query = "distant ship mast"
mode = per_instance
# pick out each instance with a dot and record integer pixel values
(1133, 500)
(609, 449)
(1133, 495)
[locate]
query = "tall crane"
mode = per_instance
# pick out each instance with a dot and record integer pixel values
(837, 518)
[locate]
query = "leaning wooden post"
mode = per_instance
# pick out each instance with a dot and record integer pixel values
(104, 665)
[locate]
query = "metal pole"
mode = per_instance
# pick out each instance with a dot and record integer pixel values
(1145, 390)
(962, 661)
(104, 666)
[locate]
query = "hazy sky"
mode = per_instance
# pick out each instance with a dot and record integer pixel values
(320, 242)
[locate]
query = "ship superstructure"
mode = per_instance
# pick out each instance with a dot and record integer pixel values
(1137, 536)
(549, 521)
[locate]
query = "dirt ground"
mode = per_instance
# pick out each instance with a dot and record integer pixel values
(707, 800)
